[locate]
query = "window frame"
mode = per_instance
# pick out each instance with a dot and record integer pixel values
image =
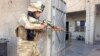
(80, 28)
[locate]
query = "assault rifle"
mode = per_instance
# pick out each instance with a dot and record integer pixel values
(48, 23)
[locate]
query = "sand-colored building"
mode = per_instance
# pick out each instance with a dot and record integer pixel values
(84, 19)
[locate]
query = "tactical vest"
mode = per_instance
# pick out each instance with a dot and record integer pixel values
(27, 34)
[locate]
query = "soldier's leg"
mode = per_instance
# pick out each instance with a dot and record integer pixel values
(36, 51)
(24, 49)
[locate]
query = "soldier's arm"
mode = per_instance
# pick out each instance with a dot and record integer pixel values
(28, 25)
(34, 26)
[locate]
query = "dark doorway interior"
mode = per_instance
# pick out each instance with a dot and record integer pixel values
(67, 29)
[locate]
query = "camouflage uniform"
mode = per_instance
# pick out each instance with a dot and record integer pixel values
(25, 47)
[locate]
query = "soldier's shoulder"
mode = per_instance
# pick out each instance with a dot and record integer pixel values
(23, 16)
(31, 19)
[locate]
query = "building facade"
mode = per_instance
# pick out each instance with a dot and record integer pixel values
(83, 17)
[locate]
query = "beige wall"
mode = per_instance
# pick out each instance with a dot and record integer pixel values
(78, 5)
(72, 18)
(97, 1)
(75, 5)
(9, 14)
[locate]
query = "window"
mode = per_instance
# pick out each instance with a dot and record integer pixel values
(80, 26)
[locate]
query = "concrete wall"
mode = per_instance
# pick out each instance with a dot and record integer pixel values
(97, 23)
(9, 14)
(72, 18)
(78, 5)
(75, 5)
(97, 1)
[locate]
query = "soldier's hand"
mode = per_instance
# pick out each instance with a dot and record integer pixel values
(55, 28)
(43, 26)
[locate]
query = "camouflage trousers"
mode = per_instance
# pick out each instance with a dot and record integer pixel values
(27, 48)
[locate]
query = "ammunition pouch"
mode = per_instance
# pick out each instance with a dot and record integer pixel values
(30, 34)
(25, 34)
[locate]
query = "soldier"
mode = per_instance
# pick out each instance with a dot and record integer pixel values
(29, 29)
